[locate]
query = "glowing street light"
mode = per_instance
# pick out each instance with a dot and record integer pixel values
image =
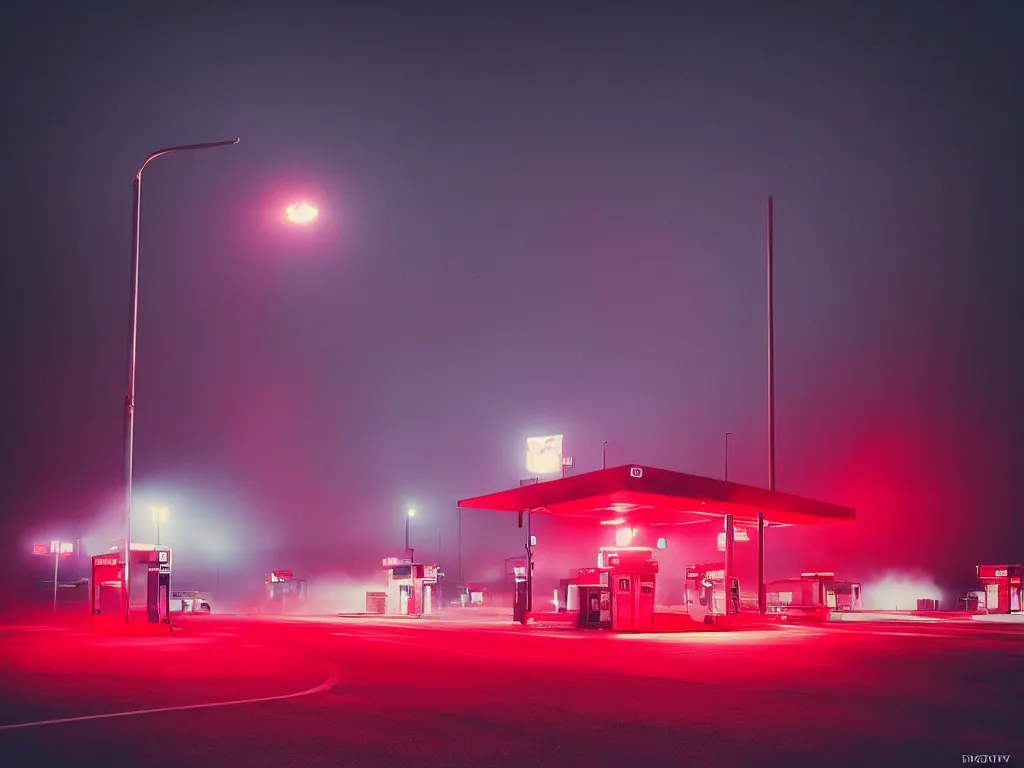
(408, 516)
(301, 213)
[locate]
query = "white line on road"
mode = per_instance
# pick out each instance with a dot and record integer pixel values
(326, 685)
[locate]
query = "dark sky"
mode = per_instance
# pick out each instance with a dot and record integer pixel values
(535, 218)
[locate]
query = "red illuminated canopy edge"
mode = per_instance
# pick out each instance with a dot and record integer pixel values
(661, 496)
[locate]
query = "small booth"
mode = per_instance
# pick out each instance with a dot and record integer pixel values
(410, 589)
(705, 593)
(813, 595)
(472, 594)
(283, 592)
(1001, 586)
(110, 591)
(618, 594)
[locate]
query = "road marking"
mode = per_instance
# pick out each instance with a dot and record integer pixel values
(326, 685)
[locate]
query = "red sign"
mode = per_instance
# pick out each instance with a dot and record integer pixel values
(105, 560)
(40, 549)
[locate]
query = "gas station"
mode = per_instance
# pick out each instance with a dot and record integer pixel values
(643, 504)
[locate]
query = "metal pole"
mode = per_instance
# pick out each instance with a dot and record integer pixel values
(762, 604)
(771, 348)
(407, 532)
(727, 456)
(730, 536)
(529, 563)
(158, 529)
(56, 565)
(133, 321)
(460, 545)
(604, 455)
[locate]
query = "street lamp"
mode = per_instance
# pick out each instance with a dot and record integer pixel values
(58, 548)
(133, 323)
(301, 213)
(408, 516)
(159, 516)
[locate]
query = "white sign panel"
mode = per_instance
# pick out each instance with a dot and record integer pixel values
(739, 534)
(544, 455)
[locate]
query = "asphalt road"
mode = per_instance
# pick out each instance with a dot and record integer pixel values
(245, 692)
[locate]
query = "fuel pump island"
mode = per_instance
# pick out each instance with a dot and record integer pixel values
(620, 591)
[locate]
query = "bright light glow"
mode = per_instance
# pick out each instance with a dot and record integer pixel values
(544, 455)
(623, 537)
(412, 512)
(301, 213)
(160, 514)
(899, 591)
(616, 521)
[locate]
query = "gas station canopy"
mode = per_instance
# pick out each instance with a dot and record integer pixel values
(637, 495)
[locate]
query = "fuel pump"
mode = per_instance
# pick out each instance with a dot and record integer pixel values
(520, 597)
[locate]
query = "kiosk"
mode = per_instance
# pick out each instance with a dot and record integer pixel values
(632, 575)
(618, 594)
(283, 591)
(410, 589)
(812, 595)
(706, 596)
(1002, 588)
(109, 592)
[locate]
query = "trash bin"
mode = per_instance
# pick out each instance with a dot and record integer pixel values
(376, 602)
(927, 604)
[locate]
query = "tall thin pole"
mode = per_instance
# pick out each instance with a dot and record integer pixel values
(770, 254)
(727, 434)
(56, 566)
(460, 545)
(133, 333)
(604, 455)
(771, 347)
(407, 518)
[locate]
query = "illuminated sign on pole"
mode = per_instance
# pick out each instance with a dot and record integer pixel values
(544, 455)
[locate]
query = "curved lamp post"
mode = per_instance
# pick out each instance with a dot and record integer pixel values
(133, 318)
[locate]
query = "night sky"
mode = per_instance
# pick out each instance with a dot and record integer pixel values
(534, 219)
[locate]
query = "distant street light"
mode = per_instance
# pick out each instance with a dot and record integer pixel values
(408, 516)
(58, 548)
(133, 325)
(301, 213)
(159, 516)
